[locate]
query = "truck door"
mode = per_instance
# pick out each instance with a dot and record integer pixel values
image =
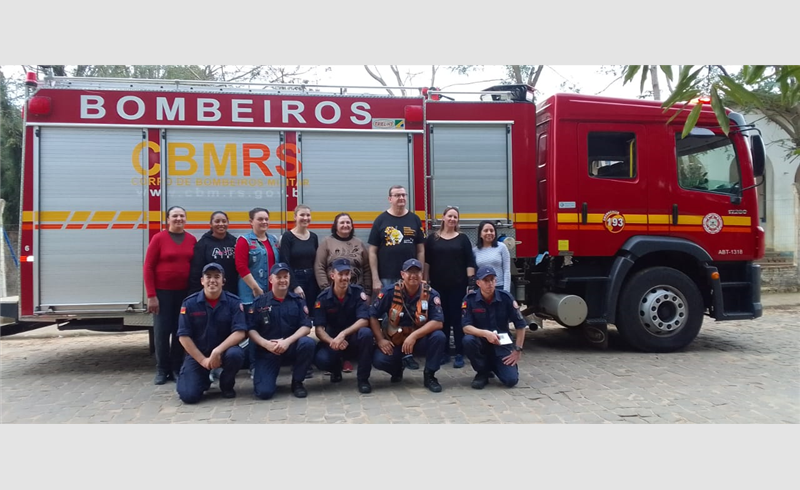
(611, 203)
(90, 235)
(226, 170)
(705, 182)
(352, 172)
(471, 169)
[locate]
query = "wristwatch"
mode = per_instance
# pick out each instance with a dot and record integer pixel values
(517, 348)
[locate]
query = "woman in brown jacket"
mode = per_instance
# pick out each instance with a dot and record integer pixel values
(342, 244)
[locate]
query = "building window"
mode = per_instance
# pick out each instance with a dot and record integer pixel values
(612, 155)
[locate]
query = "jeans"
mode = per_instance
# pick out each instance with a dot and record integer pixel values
(169, 351)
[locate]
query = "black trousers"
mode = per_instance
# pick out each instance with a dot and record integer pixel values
(169, 351)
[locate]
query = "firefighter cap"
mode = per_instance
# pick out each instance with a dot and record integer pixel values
(485, 271)
(411, 263)
(212, 266)
(280, 266)
(340, 265)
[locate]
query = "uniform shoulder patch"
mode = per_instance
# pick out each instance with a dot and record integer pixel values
(183, 310)
(317, 305)
(380, 296)
(464, 305)
(437, 301)
(363, 296)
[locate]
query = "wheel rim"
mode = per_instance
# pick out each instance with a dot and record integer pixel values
(663, 311)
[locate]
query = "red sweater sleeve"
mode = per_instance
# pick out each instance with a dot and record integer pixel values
(150, 263)
(242, 256)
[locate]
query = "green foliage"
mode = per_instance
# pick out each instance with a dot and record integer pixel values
(10, 154)
(770, 89)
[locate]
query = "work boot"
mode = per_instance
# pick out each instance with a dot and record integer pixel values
(160, 379)
(229, 393)
(458, 363)
(336, 376)
(396, 378)
(430, 381)
(364, 386)
(298, 390)
(410, 363)
(480, 381)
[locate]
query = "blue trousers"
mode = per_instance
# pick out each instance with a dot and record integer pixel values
(194, 380)
(432, 345)
(486, 357)
(361, 346)
(267, 366)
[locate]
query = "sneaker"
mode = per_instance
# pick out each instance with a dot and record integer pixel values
(410, 363)
(336, 377)
(229, 393)
(364, 386)
(347, 367)
(298, 390)
(458, 363)
(214, 374)
(160, 379)
(480, 381)
(430, 381)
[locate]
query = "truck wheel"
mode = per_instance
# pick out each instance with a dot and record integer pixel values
(660, 310)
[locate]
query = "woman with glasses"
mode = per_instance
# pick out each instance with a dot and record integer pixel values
(449, 265)
(488, 253)
(166, 280)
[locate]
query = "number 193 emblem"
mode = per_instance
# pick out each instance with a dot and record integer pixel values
(614, 221)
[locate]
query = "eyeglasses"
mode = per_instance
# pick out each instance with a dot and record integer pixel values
(399, 195)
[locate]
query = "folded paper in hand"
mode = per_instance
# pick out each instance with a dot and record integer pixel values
(505, 339)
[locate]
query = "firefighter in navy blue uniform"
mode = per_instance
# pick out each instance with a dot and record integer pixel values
(341, 323)
(486, 314)
(279, 325)
(210, 327)
(412, 322)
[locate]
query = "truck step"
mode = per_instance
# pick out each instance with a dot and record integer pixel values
(735, 284)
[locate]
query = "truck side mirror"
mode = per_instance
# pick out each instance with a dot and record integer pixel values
(759, 154)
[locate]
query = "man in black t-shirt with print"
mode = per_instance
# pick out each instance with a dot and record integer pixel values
(396, 236)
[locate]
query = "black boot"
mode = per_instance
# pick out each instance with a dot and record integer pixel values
(298, 389)
(430, 381)
(480, 381)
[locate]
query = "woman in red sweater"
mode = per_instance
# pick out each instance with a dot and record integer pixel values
(166, 281)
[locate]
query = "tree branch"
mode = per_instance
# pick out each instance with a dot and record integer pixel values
(378, 78)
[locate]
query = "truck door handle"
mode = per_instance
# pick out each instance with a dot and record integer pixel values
(585, 214)
(674, 214)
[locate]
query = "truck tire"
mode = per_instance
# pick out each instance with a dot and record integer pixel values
(660, 310)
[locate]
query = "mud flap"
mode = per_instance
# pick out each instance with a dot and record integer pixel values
(596, 334)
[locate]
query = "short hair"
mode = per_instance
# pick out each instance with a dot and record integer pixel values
(336, 222)
(395, 187)
(223, 213)
(479, 241)
(255, 211)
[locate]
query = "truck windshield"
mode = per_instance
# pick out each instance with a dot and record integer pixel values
(707, 163)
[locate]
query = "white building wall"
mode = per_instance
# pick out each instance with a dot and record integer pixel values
(781, 226)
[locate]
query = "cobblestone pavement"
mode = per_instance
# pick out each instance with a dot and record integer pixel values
(734, 372)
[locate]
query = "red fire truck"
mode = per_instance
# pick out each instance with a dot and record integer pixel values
(611, 216)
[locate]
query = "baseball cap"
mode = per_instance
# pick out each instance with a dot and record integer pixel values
(411, 263)
(213, 265)
(485, 271)
(280, 266)
(340, 265)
